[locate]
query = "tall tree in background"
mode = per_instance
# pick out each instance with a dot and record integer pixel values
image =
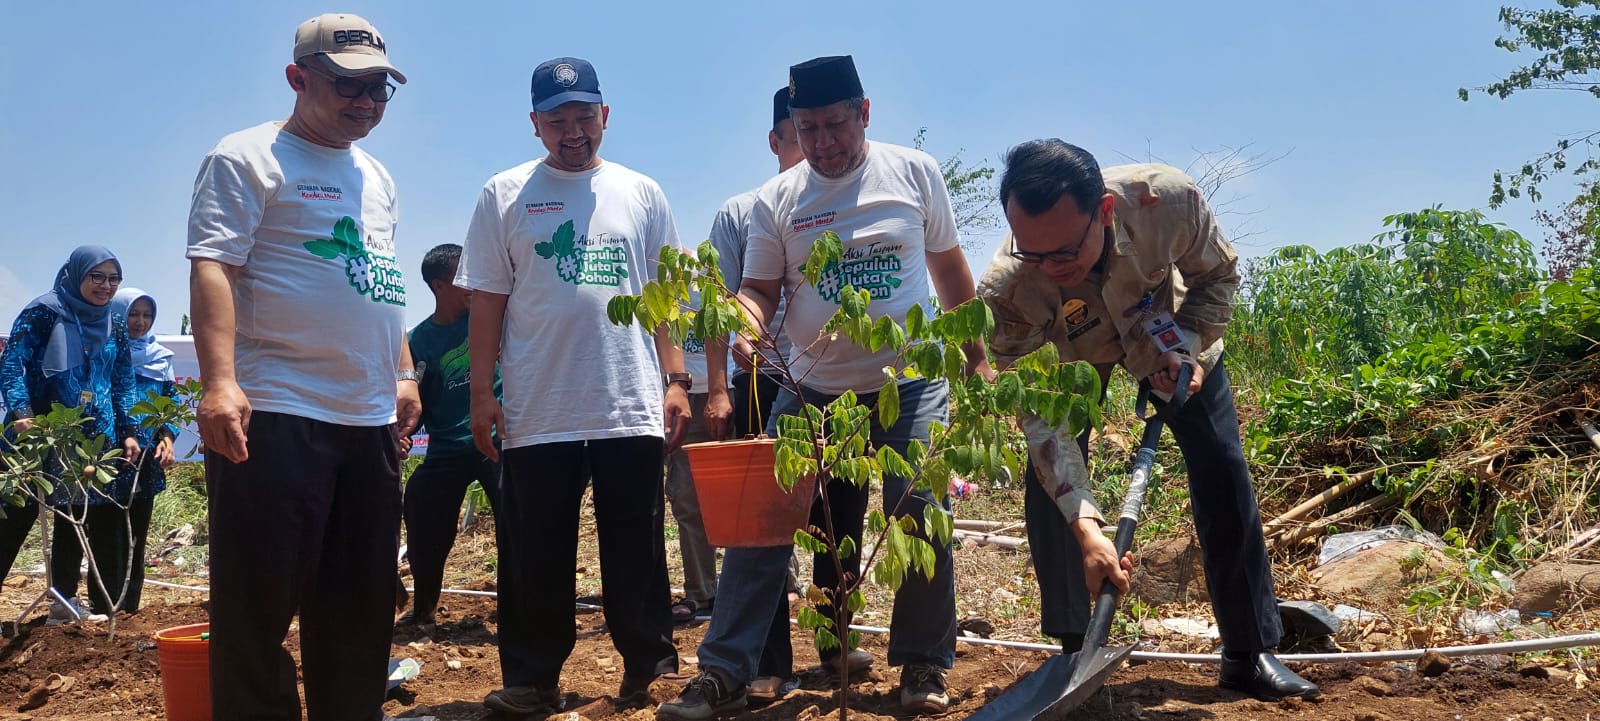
(972, 195)
(1566, 41)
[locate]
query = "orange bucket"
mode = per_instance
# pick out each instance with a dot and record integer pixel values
(185, 653)
(741, 502)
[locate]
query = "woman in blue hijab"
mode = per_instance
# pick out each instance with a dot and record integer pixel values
(107, 526)
(68, 347)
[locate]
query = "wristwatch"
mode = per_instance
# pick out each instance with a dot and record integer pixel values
(407, 375)
(680, 378)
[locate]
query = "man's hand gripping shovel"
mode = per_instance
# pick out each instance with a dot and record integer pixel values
(1064, 682)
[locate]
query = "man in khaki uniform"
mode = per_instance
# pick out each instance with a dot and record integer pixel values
(1129, 267)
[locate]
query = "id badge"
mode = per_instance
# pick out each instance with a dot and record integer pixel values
(85, 399)
(1164, 331)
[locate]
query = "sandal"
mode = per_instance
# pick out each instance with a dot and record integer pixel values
(685, 610)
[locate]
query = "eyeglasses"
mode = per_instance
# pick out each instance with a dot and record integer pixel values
(350, 88)
(99, 278)
(1060, 255)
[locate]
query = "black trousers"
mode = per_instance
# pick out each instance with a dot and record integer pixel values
(541, 491)
(309, 524)
(14, 529)
(433, 498)
(106, 527)
(777, 656)
(1226, 519)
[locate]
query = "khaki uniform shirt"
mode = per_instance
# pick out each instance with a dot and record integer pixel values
(1166, 255)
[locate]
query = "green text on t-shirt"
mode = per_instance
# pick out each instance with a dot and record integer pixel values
(605, 265)
(372, 275)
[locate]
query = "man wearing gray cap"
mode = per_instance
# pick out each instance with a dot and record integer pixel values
(890, 207)
(299, 328)
(551, 242)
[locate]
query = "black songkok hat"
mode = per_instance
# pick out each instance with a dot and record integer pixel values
(780, 106)
(823, 81)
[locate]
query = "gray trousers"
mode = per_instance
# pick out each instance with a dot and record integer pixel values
(699, 558)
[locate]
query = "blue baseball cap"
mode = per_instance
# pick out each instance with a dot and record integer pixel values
(564, 80)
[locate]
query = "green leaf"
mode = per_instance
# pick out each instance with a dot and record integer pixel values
(893, 464)
(1007, 392)
(889, 402)
(808, 542)
(855, 602)
(876, 521)
(941, 526)
(545, 249)
(915, 322)
(847, 547)
(916, 451)
(563, 238)
(825, 640)
(955, 361)
(348, 236)
(325, 249)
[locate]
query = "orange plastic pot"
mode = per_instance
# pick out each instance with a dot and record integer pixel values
(741, 503)
(185, 655)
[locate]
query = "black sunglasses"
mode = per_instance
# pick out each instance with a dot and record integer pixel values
(1061, 255)
(98, 278)
(350, 88)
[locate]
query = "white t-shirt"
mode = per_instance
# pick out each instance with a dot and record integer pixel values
(730, 235)
(562, 245)
(319, 302)
(890, 213)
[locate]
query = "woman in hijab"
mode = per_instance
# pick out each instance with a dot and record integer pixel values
(68, 347)
(135, 488)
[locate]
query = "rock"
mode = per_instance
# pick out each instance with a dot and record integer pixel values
(1432, 664)
(1554, 586)
(1386, 573)
(1170, 571)
(1371, 685)
(36, 697)
(1372, 716)
(1558, 675)
(1151, 628)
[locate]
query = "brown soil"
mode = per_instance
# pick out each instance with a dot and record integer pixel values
(122, 679)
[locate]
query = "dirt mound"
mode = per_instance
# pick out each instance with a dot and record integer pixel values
(118, 677)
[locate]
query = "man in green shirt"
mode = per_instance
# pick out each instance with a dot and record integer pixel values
(433, 495)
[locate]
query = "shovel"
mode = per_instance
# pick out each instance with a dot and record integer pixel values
(1064, 682)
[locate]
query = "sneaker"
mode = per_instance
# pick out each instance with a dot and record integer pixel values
(767, 689)
(523, 700)
(60, 613)
(922, 689)
(709, 695)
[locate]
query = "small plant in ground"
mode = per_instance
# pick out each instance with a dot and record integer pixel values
(830, 442)
(54, 459)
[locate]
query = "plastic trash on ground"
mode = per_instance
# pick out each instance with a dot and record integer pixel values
(1340, 545)
(1485, 623)
(402, 670)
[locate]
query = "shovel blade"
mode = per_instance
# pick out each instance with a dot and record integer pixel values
(1058, 686)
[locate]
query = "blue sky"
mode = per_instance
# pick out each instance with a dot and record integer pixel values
(106, 108)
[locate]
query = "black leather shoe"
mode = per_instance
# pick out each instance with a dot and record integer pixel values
(1263, 676)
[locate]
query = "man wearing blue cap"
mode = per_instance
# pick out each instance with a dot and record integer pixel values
(890, 207)
(552, 241)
